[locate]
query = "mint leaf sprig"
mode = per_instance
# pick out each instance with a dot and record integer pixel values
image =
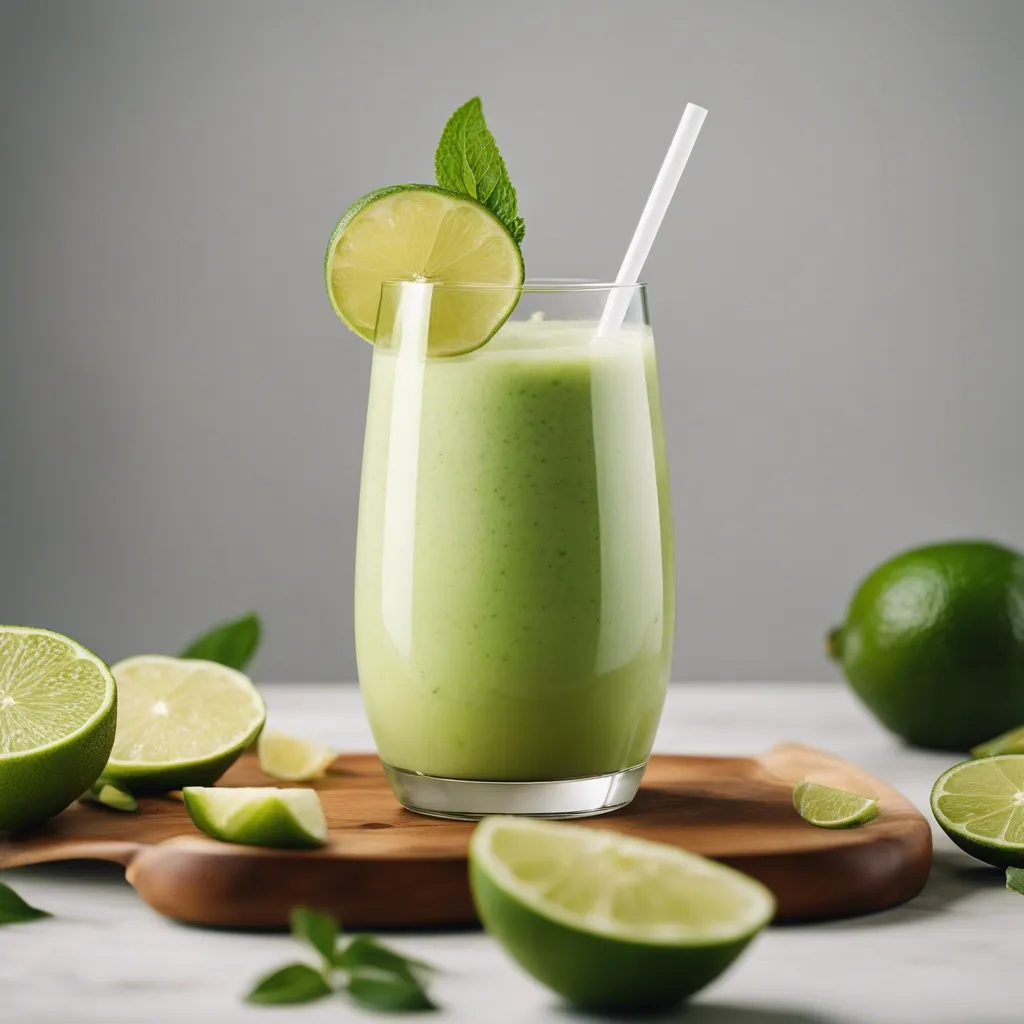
(230, 643)
(467, 161)
(375, 977)
(14, 910)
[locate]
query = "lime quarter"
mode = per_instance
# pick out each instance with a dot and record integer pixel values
(611, 922)
(425, 233)
(58, 709)
(290, 758)
(832, 808)
(180, 722)
(280, 818)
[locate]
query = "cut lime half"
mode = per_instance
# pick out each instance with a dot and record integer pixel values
(280, 818)
(980, 806)
(180, 722)
(58, 708)
(290, 758)
(428, 234)
(609, 921)
(827, 807)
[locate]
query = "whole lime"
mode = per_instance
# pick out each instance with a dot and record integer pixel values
(933, 643)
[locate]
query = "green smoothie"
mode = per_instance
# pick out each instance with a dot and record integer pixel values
(514, 568)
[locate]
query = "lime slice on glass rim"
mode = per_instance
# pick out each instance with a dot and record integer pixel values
(609, 921)
(980, 806)
(827, 807)
(180, 722)
(58, 709)
(290, 758)
(258, 816)
(425, 233)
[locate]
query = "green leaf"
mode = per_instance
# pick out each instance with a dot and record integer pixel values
(467, 161)
(296, 983)
(316, 928)
(364, 951)
(14, 910)
(386, 991)
(1015, 879)
(231, 643)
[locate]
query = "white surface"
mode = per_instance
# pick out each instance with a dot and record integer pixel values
(949, 957)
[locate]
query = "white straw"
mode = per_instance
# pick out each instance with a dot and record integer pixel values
(650, 220)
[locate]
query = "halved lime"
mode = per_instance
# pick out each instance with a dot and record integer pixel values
(180, 722)
(1011, 742)
(282, 818)
(58, 709)
(290, 758)
(980, 806)
(609, 921)
(832, 808)
(425, 233)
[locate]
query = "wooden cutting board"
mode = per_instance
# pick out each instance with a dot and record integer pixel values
(387, 867)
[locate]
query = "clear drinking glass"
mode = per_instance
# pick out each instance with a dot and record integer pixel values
(514, 567)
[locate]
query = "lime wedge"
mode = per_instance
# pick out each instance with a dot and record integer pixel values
(180, 722)
(1011, 742)
(58, 709)
(980, 806)
(609, 921)
(110, 796)
(832, 808)
(424, 233)
(291, 759)
(281, 818)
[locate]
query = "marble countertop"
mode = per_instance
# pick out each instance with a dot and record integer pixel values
(948, 957)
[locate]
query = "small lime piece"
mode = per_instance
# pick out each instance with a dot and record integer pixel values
(980, 806)
(611, 922)
(832, 808)
(290, 758)
(58, 710)
(1011, 742)
(110, 796)
(425, 233)
(180, 722)
(259, 816)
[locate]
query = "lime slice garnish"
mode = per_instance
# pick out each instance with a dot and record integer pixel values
(425, 233)
(1011, 742)
(609, 921)
(980, 806)
(832, 808)
(58, 708)
(290, 758)
(284, 818)
(180, 722)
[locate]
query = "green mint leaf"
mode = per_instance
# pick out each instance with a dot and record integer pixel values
(296, 983)
(319, 930)
(1015, 879)
(14, 910)
(231, 643)
(467, 160)
(364, 951)
(387, 992)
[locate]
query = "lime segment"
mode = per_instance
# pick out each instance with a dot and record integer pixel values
(1011, 742)
(980, 806)
(832, 808)
(180, 722)
(609, 921)
(282, 818)
(58, 707)
(425, 233)
(291, 759)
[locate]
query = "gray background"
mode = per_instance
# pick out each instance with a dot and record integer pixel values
(836, 291)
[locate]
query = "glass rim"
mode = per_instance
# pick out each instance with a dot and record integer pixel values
(530, 285)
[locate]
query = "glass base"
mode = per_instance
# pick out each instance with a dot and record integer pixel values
(468, 800)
